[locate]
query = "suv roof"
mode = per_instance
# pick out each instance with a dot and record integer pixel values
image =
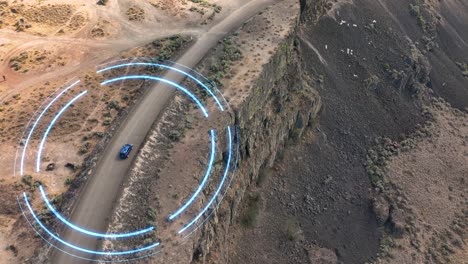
(125, 150)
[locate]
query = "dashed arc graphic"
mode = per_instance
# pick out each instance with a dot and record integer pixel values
(224, 141)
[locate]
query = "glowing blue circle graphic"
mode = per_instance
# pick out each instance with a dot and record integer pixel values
(217, 190)
(71, 94)
(136, 77)
(85, 231)
(110, 253)
(41, 146)
(37, 121)
(167, 67)
(205, 179)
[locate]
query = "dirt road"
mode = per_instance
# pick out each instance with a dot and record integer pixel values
(97, 199)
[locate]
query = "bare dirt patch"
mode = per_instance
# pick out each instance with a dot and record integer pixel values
(207, 9)
(37, 19)
(53, 15)
(427, 186)
(39, 60)
(15, 238)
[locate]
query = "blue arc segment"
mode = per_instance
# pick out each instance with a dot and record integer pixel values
(220, 186)
(73, 255)
(213, 85)
(44, 137)
(37, 121)
(187, 92)
(237, 151)
(109, 253)
(166, 67)
(79, 229)
(205, 178)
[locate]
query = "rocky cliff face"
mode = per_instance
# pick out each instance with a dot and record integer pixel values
(280, 108)
(281, 103)
(373, 66)
(313, 10)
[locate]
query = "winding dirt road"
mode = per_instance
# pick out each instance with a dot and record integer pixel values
(97, 199)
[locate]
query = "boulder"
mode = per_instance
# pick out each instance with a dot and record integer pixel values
(50, 167)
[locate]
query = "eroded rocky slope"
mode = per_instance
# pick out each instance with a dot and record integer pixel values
(380, 69)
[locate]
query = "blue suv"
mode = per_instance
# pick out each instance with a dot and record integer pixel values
(125, 151)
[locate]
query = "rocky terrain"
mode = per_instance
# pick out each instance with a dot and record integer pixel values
(353, 117)
(349, 188)
(359, 185)
(377, 178)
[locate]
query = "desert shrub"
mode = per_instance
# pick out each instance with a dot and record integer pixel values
(249, 218)
(102, 2)
(174, 135)
(68, 181)
(262, 176)
(107, 121)
(414, 10)
(292, 229)
(113, 105)
(98, 134)
(27, 179)
(151, 213)
(85, 148)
